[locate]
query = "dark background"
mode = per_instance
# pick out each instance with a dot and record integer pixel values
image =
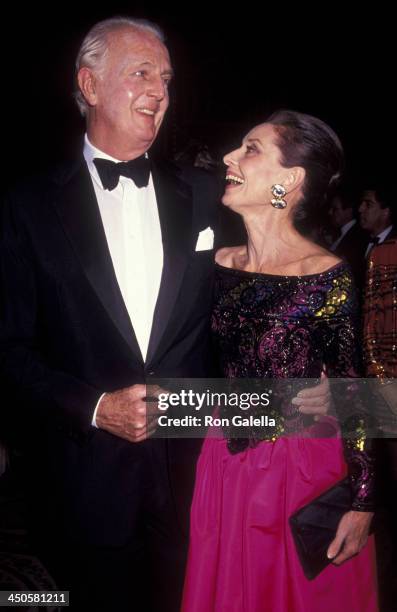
(233, 67)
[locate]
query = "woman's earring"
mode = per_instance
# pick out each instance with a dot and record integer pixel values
(279, 192)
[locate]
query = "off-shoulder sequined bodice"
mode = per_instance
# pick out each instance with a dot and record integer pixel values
(268, 326)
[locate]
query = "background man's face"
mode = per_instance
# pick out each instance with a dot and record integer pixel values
(339, 215)
(373, 217)
(131, 95)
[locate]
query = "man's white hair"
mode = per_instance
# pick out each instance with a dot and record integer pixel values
(95, 47)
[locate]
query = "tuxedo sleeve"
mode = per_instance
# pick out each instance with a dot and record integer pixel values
(42, 392)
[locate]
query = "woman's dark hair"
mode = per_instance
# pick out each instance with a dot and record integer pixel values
(308, 142)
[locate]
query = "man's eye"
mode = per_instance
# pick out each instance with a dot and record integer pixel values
(251, 149)
(139, 73)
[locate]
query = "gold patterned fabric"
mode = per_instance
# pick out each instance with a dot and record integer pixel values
(380, 311)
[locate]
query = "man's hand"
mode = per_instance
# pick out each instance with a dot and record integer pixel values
(351, 536)
(315, 400)
(124, 413)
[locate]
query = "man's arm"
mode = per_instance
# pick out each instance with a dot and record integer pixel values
(29, 366)
(45, 391)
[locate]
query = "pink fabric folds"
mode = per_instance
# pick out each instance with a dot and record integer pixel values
(242, 557)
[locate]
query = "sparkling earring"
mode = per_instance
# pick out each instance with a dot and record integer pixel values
(279, 192)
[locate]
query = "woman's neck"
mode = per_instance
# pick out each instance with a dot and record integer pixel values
(273, 242)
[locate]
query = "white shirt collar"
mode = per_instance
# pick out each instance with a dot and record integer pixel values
(384, 234)
(345, 228)
(90, 152)
(342, 232)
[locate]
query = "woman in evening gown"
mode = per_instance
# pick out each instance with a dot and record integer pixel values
(284, 308)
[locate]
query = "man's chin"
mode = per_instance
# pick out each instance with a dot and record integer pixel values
(146, 137)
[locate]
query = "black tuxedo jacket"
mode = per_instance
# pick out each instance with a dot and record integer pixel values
(66, 337)
(352, 249)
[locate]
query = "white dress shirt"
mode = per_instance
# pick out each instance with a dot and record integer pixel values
(343, 231)
(382, 237)
(132, 227)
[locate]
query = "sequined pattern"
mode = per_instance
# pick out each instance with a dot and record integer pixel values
(268, 326)
(380, 312)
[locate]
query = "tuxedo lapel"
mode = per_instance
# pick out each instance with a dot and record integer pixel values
(175, 211)
(79, 214)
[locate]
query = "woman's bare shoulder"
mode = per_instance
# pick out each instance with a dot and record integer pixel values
(319, 261)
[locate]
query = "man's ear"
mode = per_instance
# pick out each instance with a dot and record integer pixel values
(87, 84)
(294, 178)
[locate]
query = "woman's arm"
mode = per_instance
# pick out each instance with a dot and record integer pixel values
(342, 357)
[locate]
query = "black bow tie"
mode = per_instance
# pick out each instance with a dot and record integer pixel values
(136, 169)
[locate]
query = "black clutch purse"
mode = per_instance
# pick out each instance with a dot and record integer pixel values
(314, 526)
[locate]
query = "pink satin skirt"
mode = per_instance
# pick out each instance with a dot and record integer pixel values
(242, 557)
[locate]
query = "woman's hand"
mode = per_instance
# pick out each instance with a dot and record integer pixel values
(315, 400)
(351, 536)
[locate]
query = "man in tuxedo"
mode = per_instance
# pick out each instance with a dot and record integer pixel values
(107, 276)
(107, 286)
(351, 241)
(376, 216)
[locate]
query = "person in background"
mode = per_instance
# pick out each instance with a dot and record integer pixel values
(351, 240)
(380, 352)
(376, 216)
